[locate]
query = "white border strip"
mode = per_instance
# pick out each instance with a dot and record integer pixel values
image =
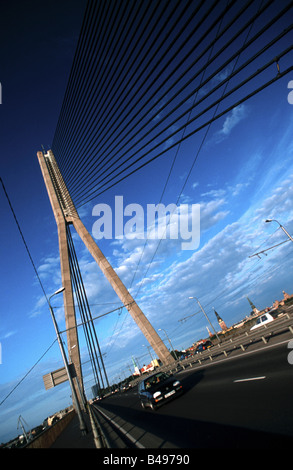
(121, 429)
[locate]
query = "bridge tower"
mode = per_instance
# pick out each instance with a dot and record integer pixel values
(65, 213)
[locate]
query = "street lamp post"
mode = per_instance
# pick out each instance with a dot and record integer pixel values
(172, 348)
(83, 427)
(281, 226)
(195, 298)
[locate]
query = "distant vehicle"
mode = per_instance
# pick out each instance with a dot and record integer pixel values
(157, 389)
(184, 356)
(98, 398)
(203, 346)
(263, 320)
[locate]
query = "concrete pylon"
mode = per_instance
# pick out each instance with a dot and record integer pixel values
(70, 318)
(70, 216)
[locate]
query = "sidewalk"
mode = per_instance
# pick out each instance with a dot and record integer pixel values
(71, 437)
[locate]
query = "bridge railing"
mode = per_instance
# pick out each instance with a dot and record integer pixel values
(241, 341)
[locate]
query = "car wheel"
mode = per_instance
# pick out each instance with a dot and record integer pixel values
(153, 406)
(142, 404)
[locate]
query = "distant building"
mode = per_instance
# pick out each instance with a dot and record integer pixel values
(136, 368)
(221, 322)
(282, 302)
(253, 307)
(209, 332)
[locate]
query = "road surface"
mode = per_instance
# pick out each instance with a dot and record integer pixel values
(241, 402)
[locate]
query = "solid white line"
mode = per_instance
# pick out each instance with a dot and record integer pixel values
(132, 439)
(249, 379)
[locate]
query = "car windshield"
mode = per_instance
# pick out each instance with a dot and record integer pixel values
(155, 380)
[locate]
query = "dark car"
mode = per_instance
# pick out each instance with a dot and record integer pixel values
(158, 388)
(203, 346)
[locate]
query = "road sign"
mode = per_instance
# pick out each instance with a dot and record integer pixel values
(57, 377)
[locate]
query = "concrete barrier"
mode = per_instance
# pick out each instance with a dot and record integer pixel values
(48, 437)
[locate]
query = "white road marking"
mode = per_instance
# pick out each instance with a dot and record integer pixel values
(251, 378)
(132, 439)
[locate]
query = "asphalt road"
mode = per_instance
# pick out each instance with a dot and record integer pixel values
(237, 403)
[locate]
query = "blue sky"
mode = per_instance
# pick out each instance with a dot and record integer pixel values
(242, 176)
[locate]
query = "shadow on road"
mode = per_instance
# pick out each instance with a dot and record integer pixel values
(187, 433)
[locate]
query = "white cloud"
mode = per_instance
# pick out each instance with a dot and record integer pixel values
(221, 76)
(211, 213)
(48, 264)
(221, 269)
(8, 334)
(38, 307)
(214, 193)
(132, 256)
(237, 114)
(238, 188)
(278, 205)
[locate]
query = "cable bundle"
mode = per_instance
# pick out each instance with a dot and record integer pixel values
(137, 69)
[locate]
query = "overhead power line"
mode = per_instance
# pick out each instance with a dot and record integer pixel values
(24, 241)
(26, 375)
(267, 249)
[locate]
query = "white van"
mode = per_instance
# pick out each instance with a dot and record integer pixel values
(262, 320)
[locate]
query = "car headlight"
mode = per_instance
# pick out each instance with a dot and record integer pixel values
(156, 394)
(175, 384)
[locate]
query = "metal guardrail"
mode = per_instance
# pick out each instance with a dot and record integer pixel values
(242, 341)
(100, 440)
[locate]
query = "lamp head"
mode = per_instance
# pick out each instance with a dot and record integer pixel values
(59, 291)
